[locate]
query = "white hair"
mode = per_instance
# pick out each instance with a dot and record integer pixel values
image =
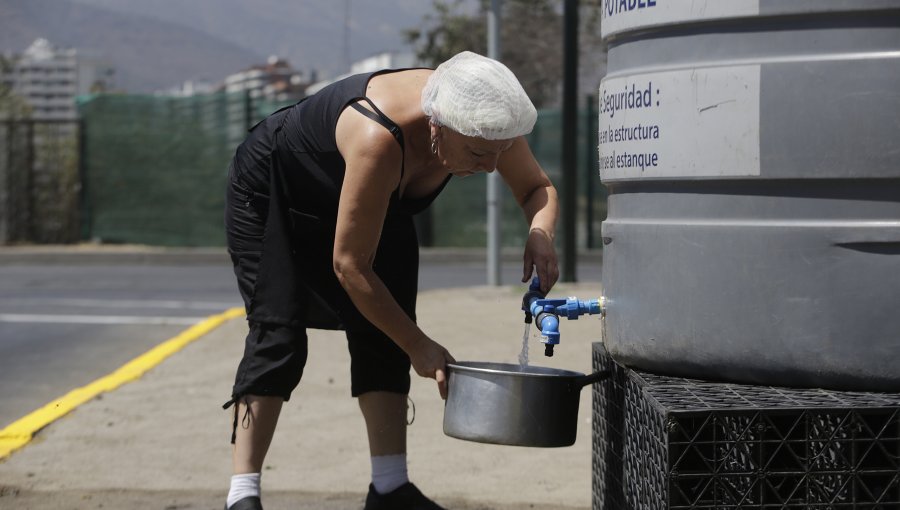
(478, 96)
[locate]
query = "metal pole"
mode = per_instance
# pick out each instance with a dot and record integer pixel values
(569, 136)
(30, 193)
(84, 204)
(591, 166)
(5, 191)
(248, 110)
(346, 49)
(493, 180)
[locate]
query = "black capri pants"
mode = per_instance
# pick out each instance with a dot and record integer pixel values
(275, 355)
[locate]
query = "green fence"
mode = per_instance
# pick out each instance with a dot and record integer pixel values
(154, 167)
(154, 171)
(459, 214)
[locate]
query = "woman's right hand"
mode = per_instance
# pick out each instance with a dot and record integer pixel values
(430, 359)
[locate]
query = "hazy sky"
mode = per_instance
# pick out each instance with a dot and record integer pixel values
(309, 33)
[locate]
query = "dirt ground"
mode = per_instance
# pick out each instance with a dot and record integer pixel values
(192, 500)
(162, 442)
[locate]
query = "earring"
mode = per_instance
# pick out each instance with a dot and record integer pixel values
(434, 146)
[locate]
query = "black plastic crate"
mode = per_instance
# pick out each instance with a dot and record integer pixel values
(672, 443)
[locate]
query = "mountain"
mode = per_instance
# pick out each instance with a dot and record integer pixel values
(309, 33)
(161, 43)
(148, 54)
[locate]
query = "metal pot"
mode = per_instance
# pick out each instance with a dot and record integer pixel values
(508, 404)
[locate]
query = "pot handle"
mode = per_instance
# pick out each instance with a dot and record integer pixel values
(585, 380)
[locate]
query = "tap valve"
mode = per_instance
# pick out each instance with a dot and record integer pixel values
(534, 293)
(547, 312)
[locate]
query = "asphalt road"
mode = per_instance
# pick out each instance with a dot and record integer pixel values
(63, 326)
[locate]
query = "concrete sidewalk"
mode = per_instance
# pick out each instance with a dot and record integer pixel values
(129, 254)
(162, 442)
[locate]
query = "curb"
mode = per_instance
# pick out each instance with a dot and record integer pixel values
(96, 255)
(20, 432)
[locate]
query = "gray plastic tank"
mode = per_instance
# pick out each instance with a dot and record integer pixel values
(751, 149)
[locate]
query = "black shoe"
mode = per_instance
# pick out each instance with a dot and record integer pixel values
(251, 503)
(405, 497)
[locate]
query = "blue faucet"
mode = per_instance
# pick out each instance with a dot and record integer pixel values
(546, 312)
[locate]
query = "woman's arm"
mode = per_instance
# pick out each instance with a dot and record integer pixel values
(373, 160)
(537, 197)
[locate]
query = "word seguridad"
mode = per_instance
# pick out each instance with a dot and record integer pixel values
(628, 99)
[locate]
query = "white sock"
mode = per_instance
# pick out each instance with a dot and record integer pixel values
(389, 472)
(243, 486)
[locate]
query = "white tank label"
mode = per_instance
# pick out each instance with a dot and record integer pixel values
(689, 123)
(619, 15)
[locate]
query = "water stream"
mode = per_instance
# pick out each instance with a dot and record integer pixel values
(523, 356)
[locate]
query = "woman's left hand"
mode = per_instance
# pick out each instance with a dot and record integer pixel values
(541, 256)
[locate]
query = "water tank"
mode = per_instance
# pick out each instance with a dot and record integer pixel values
(751, 149)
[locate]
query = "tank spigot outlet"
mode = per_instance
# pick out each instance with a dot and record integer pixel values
(549, 324)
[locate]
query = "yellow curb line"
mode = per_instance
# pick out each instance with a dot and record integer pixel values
(20, 432)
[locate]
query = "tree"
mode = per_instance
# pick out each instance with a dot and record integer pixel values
(531, 33)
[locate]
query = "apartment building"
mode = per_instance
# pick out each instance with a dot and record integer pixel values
(49, 78)
(274, 81)
(385, 60)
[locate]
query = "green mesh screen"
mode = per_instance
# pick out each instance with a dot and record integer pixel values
(155, 171)
(155, 167)
(459, 216)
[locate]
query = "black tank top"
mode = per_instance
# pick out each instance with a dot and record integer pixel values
(308, 136)
(292, 158)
